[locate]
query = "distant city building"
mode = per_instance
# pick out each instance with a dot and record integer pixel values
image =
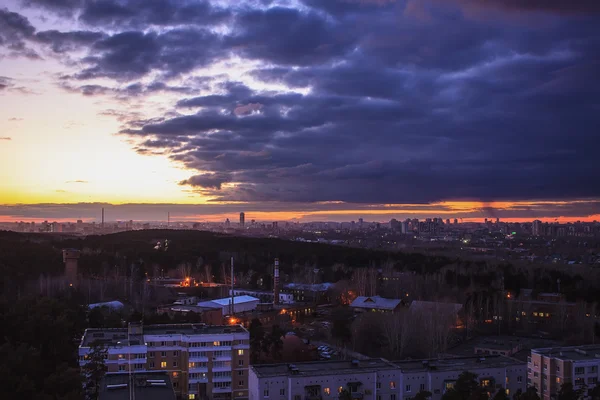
(242, 219)
(550, 368)
(204, 362)
(405, 227)
(536, 228)
(456, 220)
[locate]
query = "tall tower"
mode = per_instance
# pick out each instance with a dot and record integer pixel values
(276, 282)
(242, 219)
(71, 259)
(102, 217)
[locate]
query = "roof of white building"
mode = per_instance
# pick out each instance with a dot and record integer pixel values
(320, 368)
(227, 301)
(115, 305)
(458, 364)
(317, 287)
(375, 302)
(147, 386)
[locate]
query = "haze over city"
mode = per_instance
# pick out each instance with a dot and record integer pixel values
(375, 109)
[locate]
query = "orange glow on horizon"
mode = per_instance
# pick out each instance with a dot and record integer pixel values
(376, 212)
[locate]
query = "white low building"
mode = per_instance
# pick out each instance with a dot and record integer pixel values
(378, 379)
(240, 304)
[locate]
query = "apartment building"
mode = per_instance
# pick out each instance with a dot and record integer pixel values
(437, 376)
(204, 362)
(378, 379)
(323, 380)
(549, 368)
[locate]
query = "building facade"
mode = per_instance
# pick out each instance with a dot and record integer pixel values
(549, 368)
(204, 362)
(378, 379)
(324, 380)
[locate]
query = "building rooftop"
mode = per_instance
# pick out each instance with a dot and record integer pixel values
(572, 353)
(115, 305)
(227, 301)
(318, 368)
(375, 302)
(457, 364)
(317, 287)
(119, 336)
(147, 386)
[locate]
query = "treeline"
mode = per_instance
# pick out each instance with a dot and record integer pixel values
(38, 343)
(205, 255)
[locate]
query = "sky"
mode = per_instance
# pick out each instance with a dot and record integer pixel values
(299, 109)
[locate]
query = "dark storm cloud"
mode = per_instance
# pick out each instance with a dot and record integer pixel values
(207, 181)
(554, 6)
(401, 101)
(133, 54)
(140, 13)
(289, 36)
(15, 29)
(61, 42)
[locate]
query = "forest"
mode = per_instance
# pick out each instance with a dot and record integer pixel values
(26, 259)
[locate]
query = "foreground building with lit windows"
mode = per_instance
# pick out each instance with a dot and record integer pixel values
(378, 379)
(204, 362)
(549, 368)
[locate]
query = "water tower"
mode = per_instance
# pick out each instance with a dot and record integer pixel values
(71, 260)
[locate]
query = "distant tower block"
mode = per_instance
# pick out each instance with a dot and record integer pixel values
(276, 282)
(71, 259)
(242, 219)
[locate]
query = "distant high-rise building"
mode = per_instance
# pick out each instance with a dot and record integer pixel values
(447, 221)
(536, 228)
(227, 222)
(405, 227)
(360, 222)
(497, 220)
(242, 219)
(456, 220)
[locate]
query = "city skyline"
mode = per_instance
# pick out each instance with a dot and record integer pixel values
(299, 110)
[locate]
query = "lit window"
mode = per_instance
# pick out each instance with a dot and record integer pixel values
(163, 364)
(557, 379)
(240, 352)
(340, 389)
(191, 396)
(327, 391)
(508, 392)
(191, 365)
(535, 314)
(392, 385)
(216, 343)
(485, 382)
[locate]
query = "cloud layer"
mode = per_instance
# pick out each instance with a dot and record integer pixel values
(366, 102)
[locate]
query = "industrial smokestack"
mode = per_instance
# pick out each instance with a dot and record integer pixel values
(231, 309)
(276, 282)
